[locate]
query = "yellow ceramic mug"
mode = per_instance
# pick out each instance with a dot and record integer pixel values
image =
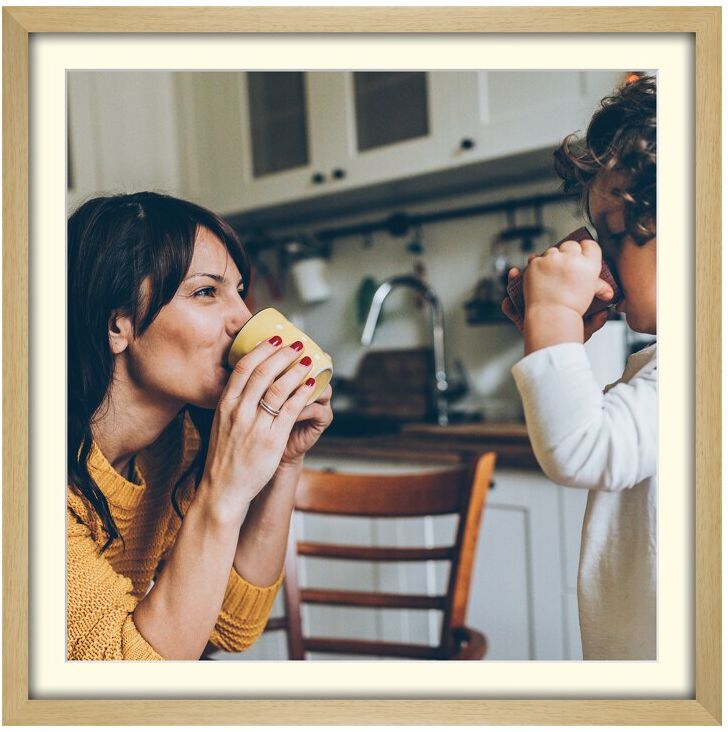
(269, 322)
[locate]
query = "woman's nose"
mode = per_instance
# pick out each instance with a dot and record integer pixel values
(239, 316)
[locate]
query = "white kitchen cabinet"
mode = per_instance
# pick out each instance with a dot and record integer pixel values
(516, 582)
(501, 113)
(348, 129)
(285, 119)
(395, 124)
(369, 128)
(237, 141)
(173, 132)
(211, 137)
(523, 589)
(122, 133)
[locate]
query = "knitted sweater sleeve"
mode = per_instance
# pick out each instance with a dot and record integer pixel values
(100, 624)
(244, 613)
(245, 607)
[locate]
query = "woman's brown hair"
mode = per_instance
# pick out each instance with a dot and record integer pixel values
(115, 244)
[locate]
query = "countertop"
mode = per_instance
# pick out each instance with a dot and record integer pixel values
(452, 443)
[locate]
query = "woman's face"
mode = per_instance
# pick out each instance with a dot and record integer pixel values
(182, 356)
(636, 264)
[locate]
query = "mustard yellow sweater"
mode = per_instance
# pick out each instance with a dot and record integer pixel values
(103, 589)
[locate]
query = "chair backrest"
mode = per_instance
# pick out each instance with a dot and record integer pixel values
(459, 490)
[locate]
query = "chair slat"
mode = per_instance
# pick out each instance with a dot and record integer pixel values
(358, 494)
(372, 599)
(276, 624)
(374, 553)
(370, 648)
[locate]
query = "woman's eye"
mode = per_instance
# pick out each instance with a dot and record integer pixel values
(205, 292)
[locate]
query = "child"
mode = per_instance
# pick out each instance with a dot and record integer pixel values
(604, 442)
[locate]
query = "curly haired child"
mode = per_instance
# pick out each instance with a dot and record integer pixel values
(602, 441)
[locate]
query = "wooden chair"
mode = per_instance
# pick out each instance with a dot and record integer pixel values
(457, 490)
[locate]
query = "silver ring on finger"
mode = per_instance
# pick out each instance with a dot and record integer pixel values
(267, 408)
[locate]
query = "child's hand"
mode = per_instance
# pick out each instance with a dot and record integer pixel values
(558, 289)
(565, 277)
(591, 324)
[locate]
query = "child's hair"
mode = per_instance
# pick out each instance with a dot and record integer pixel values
(621, 137)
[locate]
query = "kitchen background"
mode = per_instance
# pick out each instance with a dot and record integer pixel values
(336, 182)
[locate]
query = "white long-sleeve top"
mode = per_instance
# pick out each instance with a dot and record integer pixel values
(604, 442)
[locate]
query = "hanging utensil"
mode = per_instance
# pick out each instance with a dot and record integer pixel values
(419, 268)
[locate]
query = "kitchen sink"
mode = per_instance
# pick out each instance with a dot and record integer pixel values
(352, 424)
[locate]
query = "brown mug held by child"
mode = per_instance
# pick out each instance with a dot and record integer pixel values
(515, 286)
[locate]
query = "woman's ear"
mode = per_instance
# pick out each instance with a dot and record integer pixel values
(121, 332)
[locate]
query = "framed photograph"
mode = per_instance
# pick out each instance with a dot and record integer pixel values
(45, 47)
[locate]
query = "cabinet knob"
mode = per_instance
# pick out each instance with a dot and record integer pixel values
(467, 143)
(318, 178)
(338, 173)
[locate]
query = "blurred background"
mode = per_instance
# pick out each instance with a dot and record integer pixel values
(338, 182)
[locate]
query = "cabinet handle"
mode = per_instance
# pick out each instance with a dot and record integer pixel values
(467, 143)
(338, 173)
(318, 178)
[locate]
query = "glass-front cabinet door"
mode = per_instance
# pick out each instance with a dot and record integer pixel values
(278, 120)
(390, 107)
(284, 145)
(394, 124)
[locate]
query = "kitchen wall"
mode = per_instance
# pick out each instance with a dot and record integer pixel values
(456, 255)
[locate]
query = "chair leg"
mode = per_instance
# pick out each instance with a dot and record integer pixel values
(207, 653)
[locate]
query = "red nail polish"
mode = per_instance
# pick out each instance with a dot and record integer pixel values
(296, 345)
(306, 361)
(310, 382)
(276, 340)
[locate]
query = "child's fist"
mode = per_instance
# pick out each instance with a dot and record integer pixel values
(566, 276)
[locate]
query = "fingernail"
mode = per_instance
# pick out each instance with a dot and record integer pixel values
(275, 340)
(296, 345)
(310, 382)
(306, 361)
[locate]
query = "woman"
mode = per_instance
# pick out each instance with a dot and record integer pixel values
(162, 491)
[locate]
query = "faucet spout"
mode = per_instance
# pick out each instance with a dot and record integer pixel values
(437, 321)
(374, 310)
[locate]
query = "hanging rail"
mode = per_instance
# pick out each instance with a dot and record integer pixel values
(399, 223)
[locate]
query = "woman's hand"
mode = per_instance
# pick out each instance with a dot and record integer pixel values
(262, 542)
(311, 423)
(247, 442)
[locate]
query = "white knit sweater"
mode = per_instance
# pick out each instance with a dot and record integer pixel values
(604, 442)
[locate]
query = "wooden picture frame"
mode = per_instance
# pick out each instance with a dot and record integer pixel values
(704, 23)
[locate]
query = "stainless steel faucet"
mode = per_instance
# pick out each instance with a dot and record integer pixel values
(438, 332)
